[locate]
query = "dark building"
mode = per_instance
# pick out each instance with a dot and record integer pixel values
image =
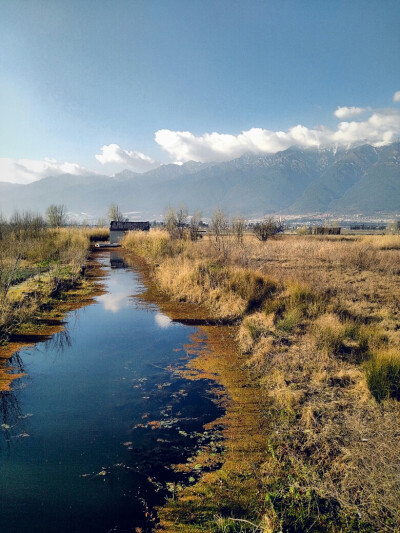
(118, 229)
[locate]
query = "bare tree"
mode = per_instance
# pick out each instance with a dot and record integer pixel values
(220, 228)
(170, 221)
(56, 215)
(238, 225)
(115, 213)
(176, 221)
(26, 224)
(101, 222)
(181, 220)
(194, 225)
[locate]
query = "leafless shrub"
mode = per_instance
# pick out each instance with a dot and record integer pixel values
(220, 229)
(176, 221)
(238, 226)
(194, 226)
(267, 228)
(56, 216)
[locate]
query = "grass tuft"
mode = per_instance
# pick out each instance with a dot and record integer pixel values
(383, 375)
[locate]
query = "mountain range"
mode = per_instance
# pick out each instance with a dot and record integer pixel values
(362, 179)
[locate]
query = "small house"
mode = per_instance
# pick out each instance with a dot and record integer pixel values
(118, 229)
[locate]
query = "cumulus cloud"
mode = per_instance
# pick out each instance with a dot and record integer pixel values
(348, 112)
(396, 96)
(115, 155)
(185, 146)
(380, 127)
(29, 170)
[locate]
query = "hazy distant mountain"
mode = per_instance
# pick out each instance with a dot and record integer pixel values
(6, 187)
(165, 172)
(378, 188)
(362, 179)
(336, 179)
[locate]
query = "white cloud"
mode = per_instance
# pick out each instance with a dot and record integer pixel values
(29, 170)
(184, 146)
(115, 155)
(355, 125)
(348, 112)
(381, 127)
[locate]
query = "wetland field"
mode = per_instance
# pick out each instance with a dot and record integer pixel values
(315, 443)
(223, 384)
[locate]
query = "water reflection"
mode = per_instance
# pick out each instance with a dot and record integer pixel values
(11, 368)
(163, 321)
(10, 410)
(114, 302)
(11, 419)
(16, 363)
(110, 417)
(119, 287)
(116, 261)
(59, 342)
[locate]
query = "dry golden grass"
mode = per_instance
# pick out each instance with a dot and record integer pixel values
(97, 234)
(35, 267)
(383, 374)
(383, 242)
(318, 323)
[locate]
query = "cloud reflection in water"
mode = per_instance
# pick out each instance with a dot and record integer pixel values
(163, 321)
(114, 302)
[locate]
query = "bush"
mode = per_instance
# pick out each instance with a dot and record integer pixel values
(267, 228)
(383, 375)
(304, 230)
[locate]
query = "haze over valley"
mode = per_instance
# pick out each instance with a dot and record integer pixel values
(361, 180)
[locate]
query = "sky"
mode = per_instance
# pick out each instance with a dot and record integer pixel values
(103, 85)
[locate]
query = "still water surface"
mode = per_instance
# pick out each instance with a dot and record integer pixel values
(87, 437)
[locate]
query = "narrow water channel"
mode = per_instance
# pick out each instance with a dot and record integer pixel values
(88, 436)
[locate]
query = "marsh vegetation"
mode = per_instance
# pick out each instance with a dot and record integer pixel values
(38, 262)
(318, 345)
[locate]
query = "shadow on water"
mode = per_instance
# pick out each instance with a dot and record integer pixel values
(206, 321)
(89, 435)
(116, 261)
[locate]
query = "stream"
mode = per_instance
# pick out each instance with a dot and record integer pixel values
(88, 436)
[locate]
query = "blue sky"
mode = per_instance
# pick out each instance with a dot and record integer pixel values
(139, 82)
